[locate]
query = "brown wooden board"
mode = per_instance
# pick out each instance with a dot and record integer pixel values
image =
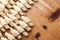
(53, 28)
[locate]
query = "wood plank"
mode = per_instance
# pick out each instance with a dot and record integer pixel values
(53, 28)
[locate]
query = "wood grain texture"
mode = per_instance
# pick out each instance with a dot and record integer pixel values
(53, 28)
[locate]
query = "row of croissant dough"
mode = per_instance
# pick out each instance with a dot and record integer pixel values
(13, 22)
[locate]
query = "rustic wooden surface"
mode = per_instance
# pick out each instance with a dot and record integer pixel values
(53, 28)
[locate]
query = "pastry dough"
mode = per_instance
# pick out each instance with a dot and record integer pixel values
(9, 36)
(13, 21)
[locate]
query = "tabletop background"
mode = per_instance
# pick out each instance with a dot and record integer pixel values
(53, 28)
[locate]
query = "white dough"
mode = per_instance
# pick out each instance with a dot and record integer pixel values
(8, 20)
(21, 6)
(11, 2)
(13, 12)
(25, 33)
(14, 32)
(9, 6)
(19, 37)
(6, 11)
(1, 26)
(11, 16)
(3, 29)
(30, 1)
(25, 19)
(4, 2)
(20, 29)
(2, 38)
(0, 34)
(23, 1)
(3, 22)
(7, 26)
(2, 6)
(9, 36)
(17, 9)
(23, 24)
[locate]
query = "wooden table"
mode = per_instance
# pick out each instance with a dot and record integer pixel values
(53, 28)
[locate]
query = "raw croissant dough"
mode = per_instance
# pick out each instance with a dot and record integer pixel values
(12, 14)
